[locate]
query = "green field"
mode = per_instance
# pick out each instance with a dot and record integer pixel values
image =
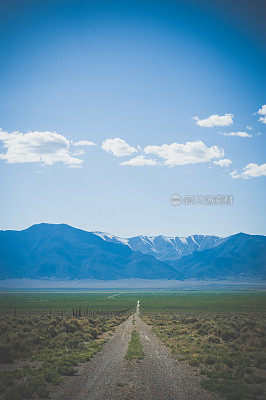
(45, 335)
(220, 334)
(49, 334)
(165, 302)
(224, 301)
(22, 303)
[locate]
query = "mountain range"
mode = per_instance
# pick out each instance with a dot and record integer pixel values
(63, 252)
(165, 248)
(240, 256)
(59, 251)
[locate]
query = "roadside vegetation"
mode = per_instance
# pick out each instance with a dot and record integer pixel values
(39, 347)
(44, 337)
(223, 340)
(134, 351)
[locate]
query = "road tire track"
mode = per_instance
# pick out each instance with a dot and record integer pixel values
(100, 378)
(162, 377)
(158, 376)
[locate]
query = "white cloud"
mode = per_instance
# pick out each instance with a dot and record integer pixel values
(84, 143)
(234, 174)
(78, 153)
(262, 111)
(37, 147)
(224, 162)
(251, 170)
(75, 166)
(249, 127)
(215, 120)
(139, 161)
(118, 147)
(262, 119)
(189, 153)
(240, 134)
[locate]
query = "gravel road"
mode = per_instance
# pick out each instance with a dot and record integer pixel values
(158, 376)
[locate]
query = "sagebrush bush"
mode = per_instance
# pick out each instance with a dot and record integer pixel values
(227, 348)
(54, 345)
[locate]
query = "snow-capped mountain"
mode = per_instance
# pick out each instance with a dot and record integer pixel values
(165, 248)
(61, 252)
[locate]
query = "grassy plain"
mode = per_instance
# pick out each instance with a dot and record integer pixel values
(44, 336)
(41, 340)
(221, 334)
(43, 302)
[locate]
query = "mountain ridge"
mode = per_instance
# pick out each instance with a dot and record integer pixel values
(165, 248)
(59, 251)
(241, 255)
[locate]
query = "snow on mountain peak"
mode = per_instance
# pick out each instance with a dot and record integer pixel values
(164, 248)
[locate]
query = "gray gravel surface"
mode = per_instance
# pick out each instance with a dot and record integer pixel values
(162, 376)
(100, 378)
(158, 376)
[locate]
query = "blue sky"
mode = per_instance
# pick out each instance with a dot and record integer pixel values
(75, 75)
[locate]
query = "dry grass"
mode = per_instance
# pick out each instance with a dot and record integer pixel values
(227, 348)
(35, 351)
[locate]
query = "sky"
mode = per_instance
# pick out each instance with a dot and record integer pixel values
(109, 108)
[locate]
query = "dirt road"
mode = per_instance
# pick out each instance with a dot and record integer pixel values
(158, 376)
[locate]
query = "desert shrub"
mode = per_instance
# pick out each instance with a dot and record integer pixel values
(34, 386)
(14, 393)
(6, 354)
(66, 369)
(214, 339)
(73, 342)
(190, 320)
(229, 334)
(194, 362)
(261, 361)
(3, 327)
(58, 344)
(228, 348)
(254, 379)
(93, 332)
(51, 375)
